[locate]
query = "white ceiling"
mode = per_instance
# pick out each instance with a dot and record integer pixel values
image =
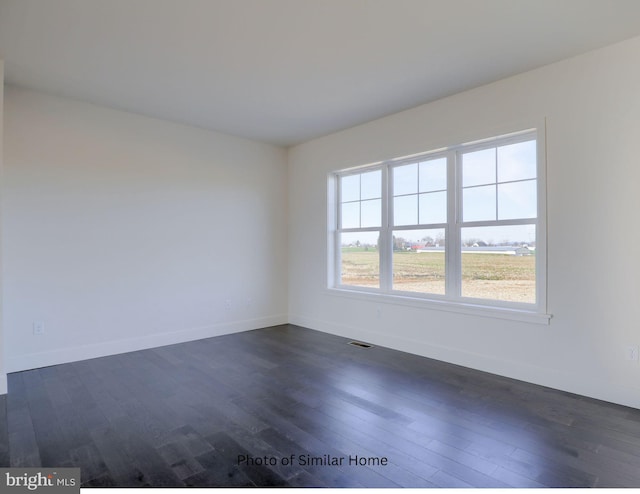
(285, 71)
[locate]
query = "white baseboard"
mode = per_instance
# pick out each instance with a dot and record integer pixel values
(16, 363)
(592, 387)
(573, 383)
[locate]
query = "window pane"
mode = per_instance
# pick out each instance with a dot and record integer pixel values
(405, 210)
(351, 215)
(479, 203)
(499, 263)
(371, 213)
(418, 261)
(350, 188)
(479, 167)
(517, 200)
(433, 207)
(405, 179)
(371, 184)
(517, 161)
(433, 175)
(360, 259)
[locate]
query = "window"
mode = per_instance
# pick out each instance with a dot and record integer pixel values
(461, 225)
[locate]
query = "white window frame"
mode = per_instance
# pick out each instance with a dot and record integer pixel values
(452, 300)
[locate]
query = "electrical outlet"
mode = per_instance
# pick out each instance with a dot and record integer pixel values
(632, 353)
(38, 328)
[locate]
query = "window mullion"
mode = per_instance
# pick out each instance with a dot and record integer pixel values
(496, 183)
(337, 253)
(453, 254)
(386, 266)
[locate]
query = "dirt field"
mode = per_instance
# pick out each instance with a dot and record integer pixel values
(491, 276)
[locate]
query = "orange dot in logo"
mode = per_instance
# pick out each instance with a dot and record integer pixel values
(50, 476)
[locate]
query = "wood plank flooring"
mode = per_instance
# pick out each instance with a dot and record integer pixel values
(186, 415)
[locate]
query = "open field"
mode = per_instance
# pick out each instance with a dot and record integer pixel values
(490, 276)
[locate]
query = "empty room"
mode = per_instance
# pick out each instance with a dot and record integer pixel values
(319, 243)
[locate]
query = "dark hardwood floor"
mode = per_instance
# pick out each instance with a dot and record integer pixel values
(213, 412)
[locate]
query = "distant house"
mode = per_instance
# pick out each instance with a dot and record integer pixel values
(524, 251)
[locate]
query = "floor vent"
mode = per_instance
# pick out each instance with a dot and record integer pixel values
(360, 344)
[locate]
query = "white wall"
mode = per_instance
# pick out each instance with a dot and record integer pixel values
(3, 351)
(123, 232)
(592, 107)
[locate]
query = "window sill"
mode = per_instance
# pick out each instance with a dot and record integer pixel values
(521, 315)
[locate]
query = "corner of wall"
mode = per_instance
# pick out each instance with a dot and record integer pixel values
(287, 162)
(3, 376)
